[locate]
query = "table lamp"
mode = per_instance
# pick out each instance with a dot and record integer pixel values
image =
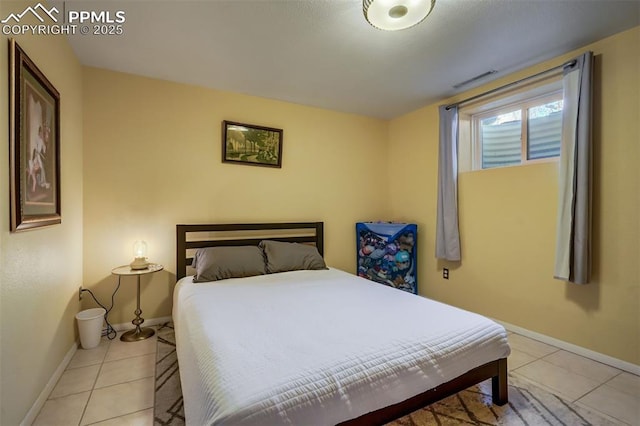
(140, 256)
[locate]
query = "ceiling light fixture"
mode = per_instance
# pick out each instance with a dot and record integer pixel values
(393, 15)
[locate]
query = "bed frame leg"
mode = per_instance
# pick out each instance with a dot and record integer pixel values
(499, 386)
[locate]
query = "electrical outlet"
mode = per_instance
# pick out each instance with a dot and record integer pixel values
(445, 273)
(80, 293)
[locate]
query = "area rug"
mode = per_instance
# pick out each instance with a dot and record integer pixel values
(528, 404)
(168, 408)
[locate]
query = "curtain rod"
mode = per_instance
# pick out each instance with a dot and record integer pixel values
(506, 86)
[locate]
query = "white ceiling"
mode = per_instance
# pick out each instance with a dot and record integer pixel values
(323, 52)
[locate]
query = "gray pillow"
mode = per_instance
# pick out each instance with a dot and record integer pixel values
(219, 263)
(282, 257)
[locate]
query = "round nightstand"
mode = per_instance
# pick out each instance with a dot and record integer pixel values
(138, 333)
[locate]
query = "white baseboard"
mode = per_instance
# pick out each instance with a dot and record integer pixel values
(44, 395)
(147, 323)
(587, 353)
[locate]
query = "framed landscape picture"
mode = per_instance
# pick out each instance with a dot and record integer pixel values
(34, 146)
(250, 144)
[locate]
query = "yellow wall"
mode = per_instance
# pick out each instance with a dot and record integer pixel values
(152, 159)
(508, 219)
(140, 155)
(40, 270)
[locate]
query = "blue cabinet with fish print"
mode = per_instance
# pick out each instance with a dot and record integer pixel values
(386, 253)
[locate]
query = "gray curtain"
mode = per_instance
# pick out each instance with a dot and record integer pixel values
(447, 234)
(573, 238)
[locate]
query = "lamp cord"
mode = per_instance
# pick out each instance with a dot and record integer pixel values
(111, 333)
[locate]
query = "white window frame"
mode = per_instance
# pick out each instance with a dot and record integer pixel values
(523, 106)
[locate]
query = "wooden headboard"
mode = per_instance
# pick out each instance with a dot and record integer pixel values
(242, 234)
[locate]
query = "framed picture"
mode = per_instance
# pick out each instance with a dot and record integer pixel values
(250, 144)
(34, 144)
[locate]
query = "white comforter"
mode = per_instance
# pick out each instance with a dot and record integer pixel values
(316, 347)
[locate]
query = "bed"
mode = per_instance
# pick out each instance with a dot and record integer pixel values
(318, 347)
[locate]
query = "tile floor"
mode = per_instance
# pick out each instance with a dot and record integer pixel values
(600, 388)
(113, 384)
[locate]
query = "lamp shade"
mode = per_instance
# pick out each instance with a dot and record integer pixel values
(393, 15)
(140, 249)
(139, 256)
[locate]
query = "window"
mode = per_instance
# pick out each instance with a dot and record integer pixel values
(518, 133)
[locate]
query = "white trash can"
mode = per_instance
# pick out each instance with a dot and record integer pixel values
(90, 327)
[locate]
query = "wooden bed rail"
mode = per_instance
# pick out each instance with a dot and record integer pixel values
(494, 370)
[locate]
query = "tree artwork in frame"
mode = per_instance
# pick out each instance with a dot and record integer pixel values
(34, 144)
(251, 145)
